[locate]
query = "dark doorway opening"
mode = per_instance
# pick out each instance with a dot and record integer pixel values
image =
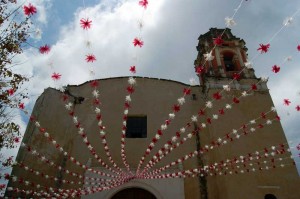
(133, 193)
(270, 196)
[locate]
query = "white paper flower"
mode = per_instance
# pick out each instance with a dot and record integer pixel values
(252, 129)
(96, 93)
(193, 81)
(234, 131)
(97, 110)
(171, 115)
(273, 109)
(68, 106)
(215, 116)
(37, 124)
(269, 122)
(288, 21)
(248, 64)
(288, 59)
(182, 130)
(75, 120)
(228, 106)
(244, 93)
(203, 125)
(92, 72)
(174, 139)
(128, 98)
(88, 44)
(181, 100)
(163, 127)
(229, 22)
(264, 79)
(38, 34)
(252, 122)
(226, 88)
(208, 104)
(194, 118)
(157, 136)
(131, 81)
(208, 56)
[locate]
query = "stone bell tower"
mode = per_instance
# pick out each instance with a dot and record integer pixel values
(226, 64)
(229, 57)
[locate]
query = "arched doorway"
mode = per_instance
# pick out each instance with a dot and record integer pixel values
(133, 193)
(270, 196)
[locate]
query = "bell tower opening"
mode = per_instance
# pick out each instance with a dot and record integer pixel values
(228, 61)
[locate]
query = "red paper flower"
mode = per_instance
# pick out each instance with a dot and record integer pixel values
(90, 58)
(16, 139)
(138, 42)
(199, 70)
(132, 69)
(275, 69)
(277, 118)
(236, 76)
(298, 47)
(85, 23)
(218, 41)
(187, 91)
(286, 102)
(94, 84)
(298, 147)
(29, 10)
(143, 3)
(2, 186)
(236, 100)
(11, 91)
(44, 49)
(6, 176)
(201, 112)
(264, 48)
(298, 108)
(130, 89)
(260, 126)
(217, 96)
(65, 97)
(55, 76)
(254, 87)
(21, 106)
(221, 112)
(176, 108)
(263, 115)
(127, 105)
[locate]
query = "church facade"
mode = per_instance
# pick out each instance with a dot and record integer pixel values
(241, 149)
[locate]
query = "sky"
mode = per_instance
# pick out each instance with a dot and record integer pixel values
(170, 33)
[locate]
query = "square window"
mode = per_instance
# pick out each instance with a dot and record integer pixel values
(136, 127)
